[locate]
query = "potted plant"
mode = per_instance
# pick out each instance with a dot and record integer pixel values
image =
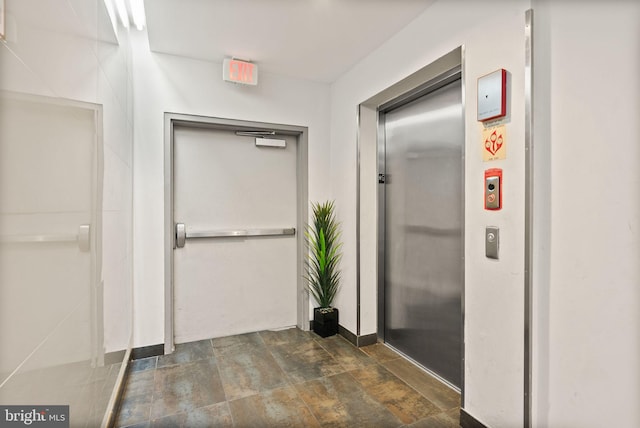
(322, 274)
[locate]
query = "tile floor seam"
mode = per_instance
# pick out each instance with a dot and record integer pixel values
(224, 391)
(153, 391)
(320, 341)
(307, 406)
(284, 371)
(262, 339)
(315, 417)
(402, 424)
(420, 368)
(442, 411)
(233, 422)
(415, 389)
(412, 388)
(148, 417)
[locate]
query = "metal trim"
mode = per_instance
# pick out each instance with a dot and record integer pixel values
(381, 229)
(358, 112)
(528, 216)
(169, 237)
(303, 218)
(416, 80)
(172, 120)
(429, 86)
(95, 241)
(424, 369)
(464, 216)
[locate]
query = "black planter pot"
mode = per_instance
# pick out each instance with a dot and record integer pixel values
(325, 323)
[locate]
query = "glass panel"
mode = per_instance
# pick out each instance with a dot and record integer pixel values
(65, 207)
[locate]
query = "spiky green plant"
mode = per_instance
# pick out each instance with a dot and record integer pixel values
(323, 239)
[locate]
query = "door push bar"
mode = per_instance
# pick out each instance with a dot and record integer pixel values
(182, 235)
(83, 238)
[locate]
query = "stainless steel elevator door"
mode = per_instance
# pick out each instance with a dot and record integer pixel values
(423, 230)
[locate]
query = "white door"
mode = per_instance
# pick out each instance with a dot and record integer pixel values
(224, 183)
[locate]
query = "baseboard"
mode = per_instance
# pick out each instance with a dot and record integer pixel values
(468, 421)
(367, 339)
(147, 351)
(358, 341)
(155, 350)
(348, 335)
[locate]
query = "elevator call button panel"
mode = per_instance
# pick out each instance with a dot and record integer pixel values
(493, 189)
(492, 242)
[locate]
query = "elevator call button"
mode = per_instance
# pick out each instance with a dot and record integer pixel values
(493, 189)
(492, 242)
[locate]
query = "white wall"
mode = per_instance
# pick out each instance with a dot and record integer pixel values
(587, 346)
(167, 83)
(494, 289)
(493, 36)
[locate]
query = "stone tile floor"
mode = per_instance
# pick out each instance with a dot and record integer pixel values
(286, 378)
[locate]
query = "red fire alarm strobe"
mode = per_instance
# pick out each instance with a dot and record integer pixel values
(492, 95)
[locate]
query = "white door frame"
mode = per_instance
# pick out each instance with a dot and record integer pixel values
(184, 120)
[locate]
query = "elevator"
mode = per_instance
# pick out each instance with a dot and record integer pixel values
(421, 226)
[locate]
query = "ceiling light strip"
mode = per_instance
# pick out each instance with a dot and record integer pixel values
(137, 13)
(121, 8)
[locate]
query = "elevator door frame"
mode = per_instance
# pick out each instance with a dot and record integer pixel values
(368, 194)
(191, 121)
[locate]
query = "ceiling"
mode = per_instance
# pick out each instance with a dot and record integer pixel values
(310, 39)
